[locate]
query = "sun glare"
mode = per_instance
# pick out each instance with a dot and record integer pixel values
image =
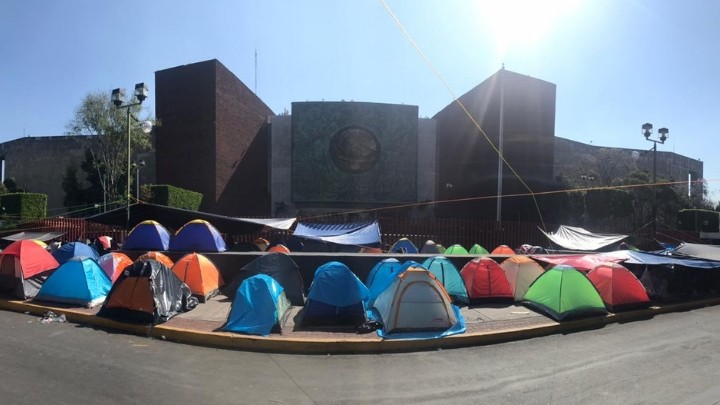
(522, 22)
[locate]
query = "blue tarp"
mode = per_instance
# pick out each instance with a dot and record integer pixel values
(74, 249)
(77, 281)
(257, 307)
(198, 236)
(635, 257)
(458, 328)
(356, 234)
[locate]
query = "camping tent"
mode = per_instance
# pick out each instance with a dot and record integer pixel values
(200, 274)
(197, 236)
(161, 257)
(432, 248)
(415, 301)
(276, 265)
(456, 249)
(618, 287)
(24, 265)
(485, 281)
(449, 276)
(147, 235)
(147, 292)
(563, 292)
(478, 250)
(336, 297)
(74, 249)
(260, 307)
(77, 281)
(114, 263)
(381, 276)
(503, 250)
(521, 272)
(403, 245)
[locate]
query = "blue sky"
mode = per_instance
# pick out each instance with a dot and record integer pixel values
(616, 64)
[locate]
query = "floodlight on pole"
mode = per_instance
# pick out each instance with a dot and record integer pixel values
(118, 98)
(664, 135)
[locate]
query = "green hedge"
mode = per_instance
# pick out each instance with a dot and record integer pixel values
(24, 206)
(171, 196)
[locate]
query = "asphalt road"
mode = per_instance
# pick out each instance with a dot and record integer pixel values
(671, 359)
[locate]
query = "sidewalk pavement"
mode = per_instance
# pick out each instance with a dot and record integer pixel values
(486, 324)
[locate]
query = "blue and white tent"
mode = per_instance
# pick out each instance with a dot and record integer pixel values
(259, 308)
(77, 281)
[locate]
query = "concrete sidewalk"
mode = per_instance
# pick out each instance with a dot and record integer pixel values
(486, 324)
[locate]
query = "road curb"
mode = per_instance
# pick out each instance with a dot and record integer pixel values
(294, 345)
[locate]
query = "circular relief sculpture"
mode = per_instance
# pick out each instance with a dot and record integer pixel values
(354, 150)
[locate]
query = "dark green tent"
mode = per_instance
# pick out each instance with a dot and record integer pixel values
(563, 292)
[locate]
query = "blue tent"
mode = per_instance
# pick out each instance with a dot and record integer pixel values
(449, 276)
(260, 306)
(403, 245)
(77, 281)
(74, 249)
(336, 297)
(383, 274)
(198, 236)
(148, 235)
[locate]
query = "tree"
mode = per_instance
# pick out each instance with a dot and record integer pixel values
(108, 154)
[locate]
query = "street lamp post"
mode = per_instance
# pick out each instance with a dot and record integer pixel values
(647, 130)
(118, 98)
(586, 179)
(138, 165)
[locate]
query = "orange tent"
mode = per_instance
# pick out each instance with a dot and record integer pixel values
(156, 256)
(279, 249)
(200, 274)
(502, 250)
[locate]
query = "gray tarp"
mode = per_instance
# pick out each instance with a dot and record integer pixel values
(574, 238)
(710, 252)
(43, 236)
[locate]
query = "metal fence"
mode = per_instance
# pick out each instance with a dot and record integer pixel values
(445, 231)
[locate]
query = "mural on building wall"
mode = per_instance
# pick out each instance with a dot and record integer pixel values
(354, 152)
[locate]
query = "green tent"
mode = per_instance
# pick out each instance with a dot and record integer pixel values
(456, 250)
(563, 292)
(478, 250)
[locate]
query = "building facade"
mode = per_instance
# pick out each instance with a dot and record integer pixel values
(216, 137)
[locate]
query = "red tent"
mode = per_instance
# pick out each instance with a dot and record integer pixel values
(24, 265)
(33, 258)
(618, 287)
(485, 281)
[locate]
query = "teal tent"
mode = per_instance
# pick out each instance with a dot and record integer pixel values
(449, 276)
(259, 308)
(77, 281)
(563, 292)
